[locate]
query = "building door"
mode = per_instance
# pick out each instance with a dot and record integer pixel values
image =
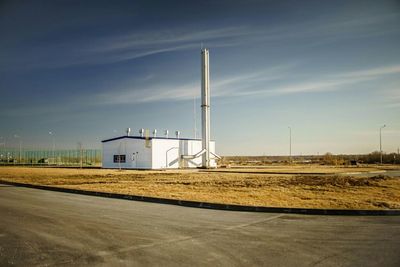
(134, 160)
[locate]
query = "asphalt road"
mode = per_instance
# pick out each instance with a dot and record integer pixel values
(44, 228)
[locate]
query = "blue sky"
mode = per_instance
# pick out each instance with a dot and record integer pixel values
(86, 70)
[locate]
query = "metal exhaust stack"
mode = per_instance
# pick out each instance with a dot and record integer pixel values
(205, 115)
(205, 107)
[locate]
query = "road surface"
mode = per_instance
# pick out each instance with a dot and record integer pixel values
(44, 228)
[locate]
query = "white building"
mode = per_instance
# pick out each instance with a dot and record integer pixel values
(136, 152)
(139, 152)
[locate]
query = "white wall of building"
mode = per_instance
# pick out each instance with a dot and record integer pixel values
(165, 153)
(213, 162)
(137, 154)
(153, 153)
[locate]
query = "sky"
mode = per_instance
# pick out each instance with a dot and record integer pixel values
(87, 70)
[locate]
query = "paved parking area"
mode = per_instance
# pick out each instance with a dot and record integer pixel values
(45, 228)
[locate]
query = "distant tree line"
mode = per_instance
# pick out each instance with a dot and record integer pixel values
(371, 158)
(326, 159)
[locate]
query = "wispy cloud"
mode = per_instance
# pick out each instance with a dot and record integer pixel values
(249, 84)
(165, 38)
(333, 81)
(318, 85)
(258, 83)
(243, 85)
(322, 31)
(373, 72)
(119, 48)
(391, 97)
(112, 48)
(151, 93)
(134, 45)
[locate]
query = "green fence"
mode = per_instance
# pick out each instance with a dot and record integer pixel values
(84, 157)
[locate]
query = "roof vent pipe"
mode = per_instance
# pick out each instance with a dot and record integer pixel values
(141, 132)
(177, 133)
(128, 131)
(155, 133)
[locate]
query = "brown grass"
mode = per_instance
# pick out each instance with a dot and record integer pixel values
(258, 189)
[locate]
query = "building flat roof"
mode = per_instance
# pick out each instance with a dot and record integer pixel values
(144, 138)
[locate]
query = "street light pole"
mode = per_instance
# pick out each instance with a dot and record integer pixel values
(380, 141)
(20, 151)
(54, 144)
(4, 149)
(20, 147)
(290, 144)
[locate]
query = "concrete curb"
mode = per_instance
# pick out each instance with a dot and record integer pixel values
(207, 205)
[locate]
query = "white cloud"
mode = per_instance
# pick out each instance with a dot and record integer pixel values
(331, 82)
(112, 48)
(258, 83)
(374, 72)
(391, 97)
(118, 48)
(151, 93)
(134, 45)
(227, 86)
(167, 38)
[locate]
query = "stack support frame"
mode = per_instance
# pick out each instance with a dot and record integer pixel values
(205, 107)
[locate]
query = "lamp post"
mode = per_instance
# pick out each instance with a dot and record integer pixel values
(290, 144)
(380, 140)
(54, 143)
(20, 147)
(3, 143)
(194, 117)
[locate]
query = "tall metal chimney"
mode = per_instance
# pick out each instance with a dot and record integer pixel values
(205, 107)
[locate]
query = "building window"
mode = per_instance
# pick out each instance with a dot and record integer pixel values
(119, 159)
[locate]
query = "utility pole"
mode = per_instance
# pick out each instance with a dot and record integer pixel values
(290, 144)
(380, 141)
(20, 148)
(80, 154)
(4, 149)
(20, 151)
(54, 145)
(194, 117)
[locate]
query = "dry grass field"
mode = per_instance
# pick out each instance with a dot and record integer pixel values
(300, 169)
(232, 186)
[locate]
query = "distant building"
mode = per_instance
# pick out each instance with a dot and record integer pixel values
(137, 152)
